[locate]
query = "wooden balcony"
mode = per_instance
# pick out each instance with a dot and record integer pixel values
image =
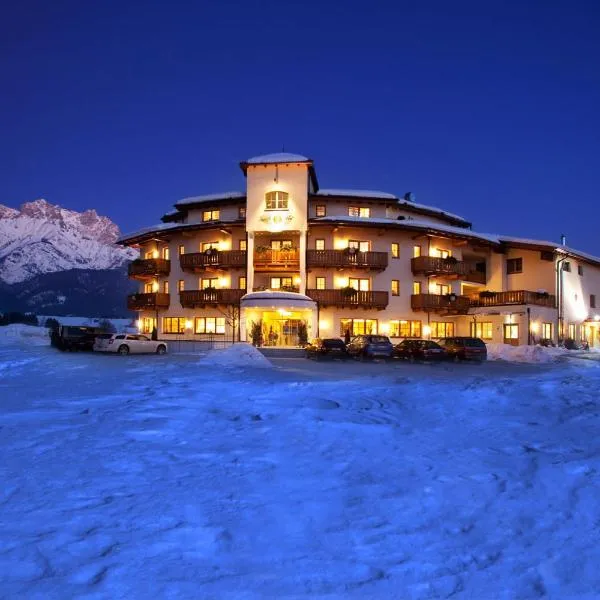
(437, 303)
(378, 300)
(153, 301)
(449, 268)
(215, 259)
(343, 259)
(199, 298)
(513, 297)
(148, 268)
(277, 260)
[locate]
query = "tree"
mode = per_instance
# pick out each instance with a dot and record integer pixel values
(52, 324)
(232, 319)
(107, 326)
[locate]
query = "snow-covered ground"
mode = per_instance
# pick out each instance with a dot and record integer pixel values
(172, 477)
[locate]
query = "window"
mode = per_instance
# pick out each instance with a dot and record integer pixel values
(243, 245)
(405, 329)
(359, 211)
(242, 212)
(439, 289)
(278, 283)
(547, 331)
(416, 251)
(181, 250)
(180, 285)
(242, 282)
(395, 250)
(148, 324)
(165, 253)
(148, 288)
(358, 326)
(572, 331)
(360, 245)
(276, 200)
(416, 287)
(173, 325)
(395, 287)
(320, 210)
(514, 265)
(210, 282)
(149, 254)
(441, 329)
(209, 325)
(320, 282)
(210, 246)
(580, 269)
(280, 244)
(362, 285)
(547, 255)
(166, 287)
(439, 253)
(211, 215)
(567, 266)
(592, 300)
(511, 332)
(482, 330)
(319, 244)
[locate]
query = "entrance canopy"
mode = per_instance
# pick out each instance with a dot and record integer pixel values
(289, 300)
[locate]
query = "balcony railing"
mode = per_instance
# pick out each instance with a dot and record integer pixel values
(194, 298)
(437, 303)
(224, 259)
(513, 297)
(278, 260)
(146, 268)
(447, 267)
(283, 288)
(341, 297)
(346, 258)
(154, 301)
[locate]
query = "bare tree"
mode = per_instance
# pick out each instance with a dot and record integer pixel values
(232, 318)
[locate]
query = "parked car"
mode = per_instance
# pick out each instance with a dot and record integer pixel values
(464, 348)
(419, 350)
(74, 337)
(326, 348)
(370, 346)
(129, 343)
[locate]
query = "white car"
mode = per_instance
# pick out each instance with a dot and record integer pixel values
(129, 343)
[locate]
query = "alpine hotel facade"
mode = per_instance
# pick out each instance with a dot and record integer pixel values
(286, 254)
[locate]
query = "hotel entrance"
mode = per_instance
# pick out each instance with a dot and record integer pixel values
(282, 329)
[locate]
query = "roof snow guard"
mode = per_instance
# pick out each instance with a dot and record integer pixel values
(281, 158)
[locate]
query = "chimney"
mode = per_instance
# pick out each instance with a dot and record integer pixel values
(563, 239)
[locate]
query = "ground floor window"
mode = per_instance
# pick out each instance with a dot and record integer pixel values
(572, 330)
(511, 333)
(358, 326)
(482, 330)
(547, 331)
(147, 324)
(209, 325)
(405, 329)
(441, 329)
(173, 325)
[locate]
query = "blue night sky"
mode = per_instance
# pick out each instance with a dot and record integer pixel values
(487, 109)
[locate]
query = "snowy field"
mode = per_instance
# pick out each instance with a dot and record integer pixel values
(191, 477)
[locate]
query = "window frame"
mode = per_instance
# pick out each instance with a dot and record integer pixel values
(514, 265)
(214, 214)
(363, 212)
(278, 199)
(321, 208)
(318, 281)
(395, 287)
(395, 250)
(320, 242)
(167, 325)
(216, 322)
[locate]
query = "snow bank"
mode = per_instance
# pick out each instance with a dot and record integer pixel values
(24, 334)
(238, 355)
(524, 354)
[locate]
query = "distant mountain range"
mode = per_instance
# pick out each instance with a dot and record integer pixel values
(58, 261)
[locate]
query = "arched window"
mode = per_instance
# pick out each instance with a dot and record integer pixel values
(276, 200)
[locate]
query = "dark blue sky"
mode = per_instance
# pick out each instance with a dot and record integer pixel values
(490, 109)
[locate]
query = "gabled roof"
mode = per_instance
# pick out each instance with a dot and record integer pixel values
(281, 158)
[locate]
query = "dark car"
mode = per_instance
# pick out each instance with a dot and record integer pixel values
(370, 346)
(464, 348)
(419, 350)
(73, 337)
(326, 348)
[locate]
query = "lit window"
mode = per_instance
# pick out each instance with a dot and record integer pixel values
(209, 283)
(242, 283)
(173, 325)
(416, 287)
(276, 200)
(165, 253)
(438, 253)
(181, 285)
(358, 326)
(243, 245)
(320, 210)
(319, 244)
(166, 287)
(547, 331)
(181, 249)
(209, 325)
(210, 246)
(320, 281)
(359, 211)
(405, 329)
(362, 285)
(361, 246)
(148, 288)
(395, 250)
(242, 212)
(441, 329)
(148, 324)
(395, 287)
(211, 215)
(482, 330)
(416, 251)
(511, 331)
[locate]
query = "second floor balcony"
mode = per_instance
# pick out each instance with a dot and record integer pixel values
(199, 298)
(151, 301)
(440, 303)
(216, 259)
(488, 298)
(347, 258)
(345, 298)
(285, 259)
(148, 268)
(449, 268)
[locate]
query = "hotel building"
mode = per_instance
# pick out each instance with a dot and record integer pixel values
(286, 254)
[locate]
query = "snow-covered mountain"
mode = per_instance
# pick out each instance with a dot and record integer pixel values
(44, 238)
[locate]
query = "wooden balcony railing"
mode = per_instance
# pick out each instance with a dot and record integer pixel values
(339, 297)
(513, 297)
(437, 303)
(346, 258)
(194, 298)
(283, 288)
(152, 301)
(146, 268)
(450, 268)
(224, 259)
(278, 260)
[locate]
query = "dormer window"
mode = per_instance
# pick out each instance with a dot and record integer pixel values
(276, 200)
(359, 211)
(211, 215)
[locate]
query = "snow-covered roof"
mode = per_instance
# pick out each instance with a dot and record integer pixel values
(553, 246)
(356, 193)
(433, 209)
(278, 157)
(280, 299)
(155, 228)
(211, 198)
